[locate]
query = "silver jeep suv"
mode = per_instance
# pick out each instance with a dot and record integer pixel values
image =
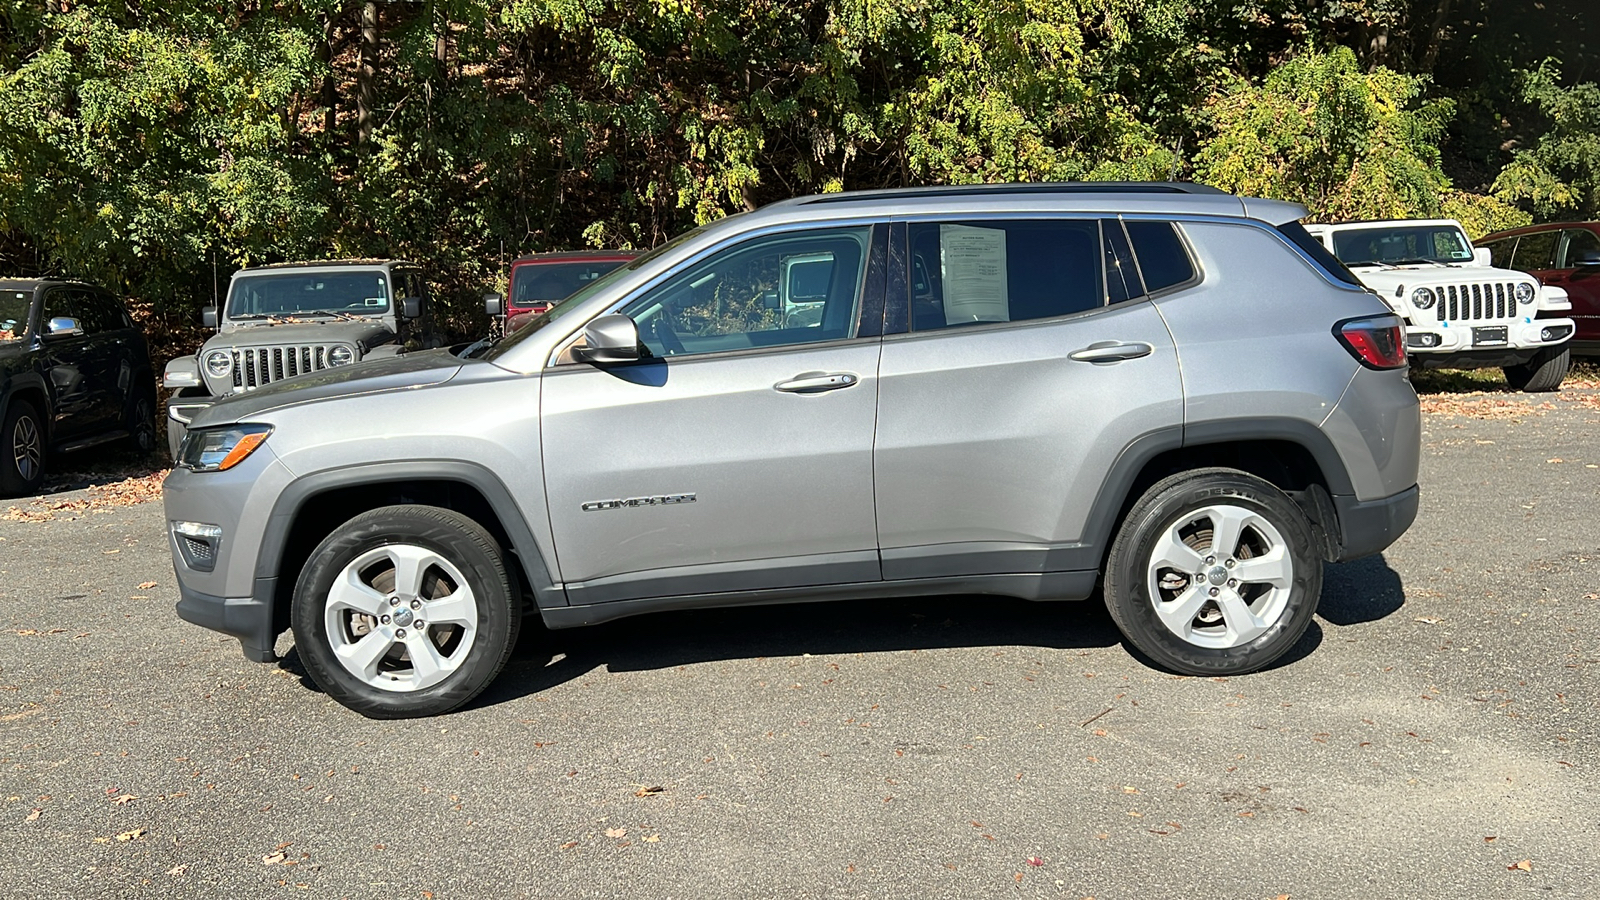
(1159, 392)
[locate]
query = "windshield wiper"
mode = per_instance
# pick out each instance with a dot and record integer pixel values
(1418, 262)
(326, 312)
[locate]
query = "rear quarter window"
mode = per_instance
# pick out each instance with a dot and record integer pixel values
(1298, 236)
(1163, 260)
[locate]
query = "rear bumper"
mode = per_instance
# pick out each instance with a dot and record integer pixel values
(1369, 526)
(246, 618)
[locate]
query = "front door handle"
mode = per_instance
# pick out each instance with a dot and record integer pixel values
(1112, 351)
(816, 382)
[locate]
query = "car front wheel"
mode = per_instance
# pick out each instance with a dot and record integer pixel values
(22, 450)
(405, 611)
(1214, 572)
(1544, 372)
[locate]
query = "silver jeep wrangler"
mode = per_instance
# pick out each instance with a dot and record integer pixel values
(288, 319)
(1158, 393)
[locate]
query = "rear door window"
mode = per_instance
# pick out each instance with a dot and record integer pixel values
(978, 272)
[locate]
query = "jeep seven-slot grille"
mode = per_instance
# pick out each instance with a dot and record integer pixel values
(1470, 302)
(255, 366)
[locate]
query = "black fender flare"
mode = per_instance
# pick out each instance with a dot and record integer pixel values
(293, 498)
(1115, 493)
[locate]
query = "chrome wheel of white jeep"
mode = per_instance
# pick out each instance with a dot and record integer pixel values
(1220, 576)
(401, 618)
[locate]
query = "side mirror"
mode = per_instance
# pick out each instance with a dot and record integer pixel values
(410, 307)
(63, 325)
(770, 300)
(1482, 256)
(609, 339)
(494, 304)
(208, 316)
(1588, 259)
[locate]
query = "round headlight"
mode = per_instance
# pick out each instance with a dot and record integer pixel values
(219, 363)
(1422, 298)
(341, 356)
(1524, 292)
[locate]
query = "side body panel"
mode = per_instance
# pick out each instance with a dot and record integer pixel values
(781, 482)
(993, 443)
(1256, 342)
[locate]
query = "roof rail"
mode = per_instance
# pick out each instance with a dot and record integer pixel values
(1042, 187)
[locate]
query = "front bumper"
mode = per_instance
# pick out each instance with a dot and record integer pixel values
(1521, 338)
(246, 618)
(229, 596)
(1370, 526)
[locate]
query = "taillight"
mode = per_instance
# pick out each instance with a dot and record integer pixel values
(1378, 342)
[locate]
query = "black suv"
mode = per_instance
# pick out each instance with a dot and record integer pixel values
(74, 372)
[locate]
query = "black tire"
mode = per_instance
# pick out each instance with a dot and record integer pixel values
(1274, 530)
(141, 423)
(22, 450)
(462, 544)
(1543, 373)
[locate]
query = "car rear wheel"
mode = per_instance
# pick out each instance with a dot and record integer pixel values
(1214, 572)
(405, 611)
(1543, 373)
(22, 450)
(142, 424)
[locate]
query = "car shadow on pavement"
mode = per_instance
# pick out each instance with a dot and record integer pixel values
(544, 659)
(1360, 591)
(1365, 590)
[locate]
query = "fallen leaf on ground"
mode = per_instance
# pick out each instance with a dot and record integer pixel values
(647, 791)
(616, 832)
(653, 839)
(130, 835)
(1035, 861)
(272, 858)
(178, 869)
(146, 585)
(569, 845)
(124, 800)
(1429, 620)
(1525, 866)
(37, 812)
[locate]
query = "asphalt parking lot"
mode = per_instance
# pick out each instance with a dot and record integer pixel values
(1434, 735)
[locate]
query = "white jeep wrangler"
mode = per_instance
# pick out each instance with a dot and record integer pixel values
(1460, 312)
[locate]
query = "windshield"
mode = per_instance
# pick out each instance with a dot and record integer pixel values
(1401, 244)
(309, 293)
(576, 300)
(14, 307)
(533, 283)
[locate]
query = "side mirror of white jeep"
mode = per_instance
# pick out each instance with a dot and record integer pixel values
(1481, 256)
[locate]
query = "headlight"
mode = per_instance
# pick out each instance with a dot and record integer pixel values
(219, 363)
(1422, 298)
(1524, 292)
(219, 449)
(341, 356)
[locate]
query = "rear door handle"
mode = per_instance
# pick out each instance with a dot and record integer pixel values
(1112, 351)
(816, 382)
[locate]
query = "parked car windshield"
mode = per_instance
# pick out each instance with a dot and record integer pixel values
(1401, 244)
(308, 294)
(576, 300)
(550, 282)
(14, 314)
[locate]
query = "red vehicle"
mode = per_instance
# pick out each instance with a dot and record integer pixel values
(1566, 255)
(542, 280)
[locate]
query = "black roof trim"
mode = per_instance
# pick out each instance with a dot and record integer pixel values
(1042, 187)
(320, 263)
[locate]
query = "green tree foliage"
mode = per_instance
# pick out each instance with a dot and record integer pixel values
(1560, 175)
(145, 144)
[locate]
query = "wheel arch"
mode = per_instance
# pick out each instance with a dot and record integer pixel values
(1293, 455)
(313, 506)
(31, 387)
